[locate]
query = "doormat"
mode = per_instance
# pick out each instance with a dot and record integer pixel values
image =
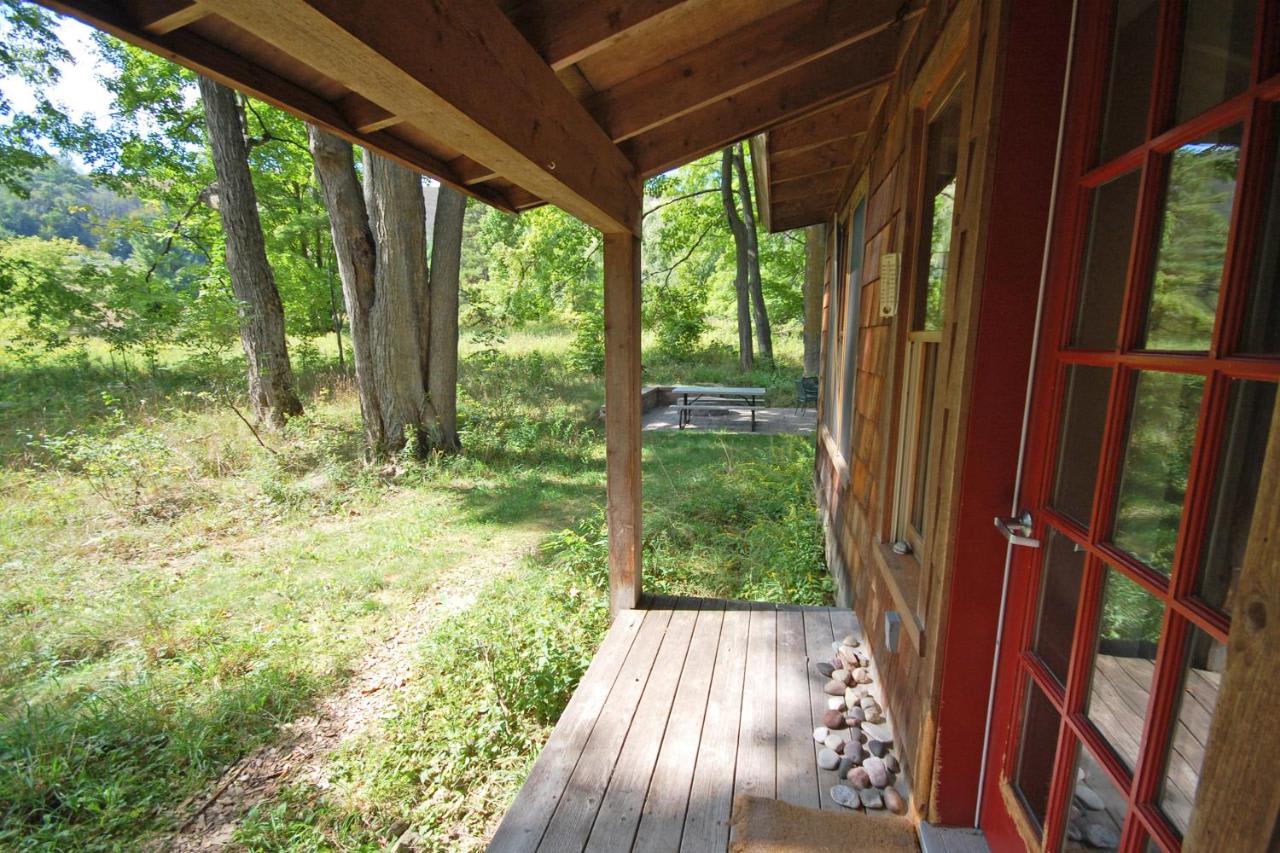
(769, 826)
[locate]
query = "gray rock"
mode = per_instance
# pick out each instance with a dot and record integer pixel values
(858, 778)
(834, 688)
(820, 733)
(856, 713)
(893, 801)
(865, 701)
(871, 798)
(835, 703)
(842, 795)
(874, 716)
(824, 668)
(877, 748)
(833, 720)
(861, 675)
(1088, 797)
(849, 640)
(828, 760)
(847, 763)
(1101, 835)
(876, 770)
(891, 763)
(1074, 833)
(853, 752)
(842, 676)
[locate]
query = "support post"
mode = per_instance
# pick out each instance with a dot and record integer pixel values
(622, 416)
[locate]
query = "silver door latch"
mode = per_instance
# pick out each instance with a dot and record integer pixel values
(1017, 531)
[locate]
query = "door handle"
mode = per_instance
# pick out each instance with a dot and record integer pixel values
(1017, 531)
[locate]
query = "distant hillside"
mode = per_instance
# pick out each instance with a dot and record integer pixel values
(62, 202)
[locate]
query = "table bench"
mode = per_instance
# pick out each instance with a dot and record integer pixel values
(695, 398)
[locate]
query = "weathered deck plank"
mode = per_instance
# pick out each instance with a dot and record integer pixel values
(662, 818)
(619, 816)
(571, 823)
(797, 779)
(687, 703)
(757, 735)
(706, 823)
(525, 822)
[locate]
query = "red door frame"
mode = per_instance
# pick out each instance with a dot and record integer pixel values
(1018, 666)
(1023, 141)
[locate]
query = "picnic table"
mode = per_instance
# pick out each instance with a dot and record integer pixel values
(710, 397)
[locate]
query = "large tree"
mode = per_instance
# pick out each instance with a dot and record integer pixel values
(379, 233)
(271, 392)
(760, 313)
(815, 250)
(746, 357)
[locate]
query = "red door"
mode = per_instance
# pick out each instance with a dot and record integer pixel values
(1155, 384)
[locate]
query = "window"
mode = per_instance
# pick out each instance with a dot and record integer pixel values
(831, 367)
(916, 478)
(852, 322)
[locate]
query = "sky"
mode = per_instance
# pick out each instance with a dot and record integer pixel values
(78, 89)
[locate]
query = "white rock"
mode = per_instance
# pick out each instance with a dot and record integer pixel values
(1101, 835)
(845, 796)
(828, 760)
(835, 703)
(832, 740)
(878, 731)
(849, 640)
(820, 733)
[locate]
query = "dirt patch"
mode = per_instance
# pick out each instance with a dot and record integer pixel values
(300, 751)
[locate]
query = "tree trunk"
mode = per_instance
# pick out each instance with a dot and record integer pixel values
(764, 334)
(746, 358)
(400, 316)
(271, 391)
(446, 266)
(815, 251)
(353, 244)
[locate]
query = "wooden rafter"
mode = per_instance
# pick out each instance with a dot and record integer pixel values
(795, 35)
(204, 57)
(857, 68)
(462, 69)
(568, 31)
(165, 16)
(830, 156)
(838, 121)
(819, 191)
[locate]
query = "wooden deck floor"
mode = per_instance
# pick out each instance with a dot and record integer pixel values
(685, 704)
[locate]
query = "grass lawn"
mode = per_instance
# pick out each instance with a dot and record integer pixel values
(172, 592)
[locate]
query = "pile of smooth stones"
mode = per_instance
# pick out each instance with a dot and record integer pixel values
(865, 760)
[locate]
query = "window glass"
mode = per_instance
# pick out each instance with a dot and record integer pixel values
(1262, 314)
(1084, 418)
(1105, 265)
(1123, 663)
(940, 196)
(1202, 670)
(1217, 53)
(1036, 749)
(1157, 462)
(1193, 242)
(852, 322)
(1128, 87)
(1250, 410)
(1059, 599)
(1098, 809)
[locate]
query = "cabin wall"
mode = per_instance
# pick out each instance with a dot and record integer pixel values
(983, 356)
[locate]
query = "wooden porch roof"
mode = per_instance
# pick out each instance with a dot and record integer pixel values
(525, 102)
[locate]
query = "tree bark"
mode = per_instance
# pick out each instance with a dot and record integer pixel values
(746, 358)
(815, 251)
(764, 334)
(353, 244)
(271, 391)
(446, 267)
(403, 321)
(400, 316)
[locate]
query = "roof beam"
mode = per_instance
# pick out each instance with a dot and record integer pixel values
(460, 68)
(829, 156)
(857, 68)
(192, 51)
(565, 32)
(165, 16)
(846, 118)
(795, 35)
(820, 189)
